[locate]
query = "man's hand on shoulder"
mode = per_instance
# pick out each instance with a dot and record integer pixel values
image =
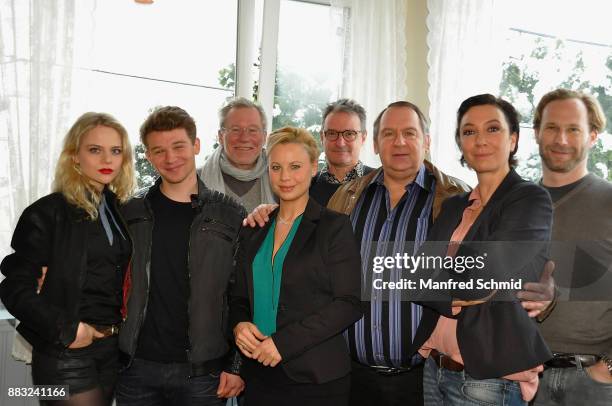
(259, 216)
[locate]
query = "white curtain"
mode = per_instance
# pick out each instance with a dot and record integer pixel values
(36, 54)
(465, 59)
(374, 56)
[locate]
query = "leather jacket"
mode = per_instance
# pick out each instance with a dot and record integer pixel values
(53, 233)
(213, 243)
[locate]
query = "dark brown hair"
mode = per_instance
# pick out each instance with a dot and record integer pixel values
(168, 118)
(510, 113)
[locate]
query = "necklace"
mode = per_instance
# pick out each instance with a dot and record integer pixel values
(283, 221)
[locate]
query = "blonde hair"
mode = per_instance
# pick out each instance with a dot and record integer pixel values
(70, 182)
(294, 135)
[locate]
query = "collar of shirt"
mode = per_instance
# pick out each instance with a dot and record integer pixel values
(419, 179)
(475, 199)
(354, 173)
(468, 218)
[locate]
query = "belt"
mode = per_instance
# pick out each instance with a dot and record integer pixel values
(564, 360)
(444, 361)
(207, 367)
(106, 330)
(388, 371)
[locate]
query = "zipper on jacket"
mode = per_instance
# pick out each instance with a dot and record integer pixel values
(148, 273)
(213, 221)
(129, 264)
(218, 233)
(188, 350)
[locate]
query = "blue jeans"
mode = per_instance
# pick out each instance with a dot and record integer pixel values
(444, 387)
(572, 386)
(148, 383)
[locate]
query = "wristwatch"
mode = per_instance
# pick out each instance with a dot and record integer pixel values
(606, 360)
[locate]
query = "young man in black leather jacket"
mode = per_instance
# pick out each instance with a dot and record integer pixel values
(185, 237)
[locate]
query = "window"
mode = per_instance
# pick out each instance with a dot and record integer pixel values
(308, 74)
(135, 57)
(308, 69)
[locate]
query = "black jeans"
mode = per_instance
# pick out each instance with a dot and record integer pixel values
(369, 387)
(149, 383)
(90, 372)
(267, 386)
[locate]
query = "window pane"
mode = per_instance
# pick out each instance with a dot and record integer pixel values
(185, 41)
(309, 67)
(136, 57)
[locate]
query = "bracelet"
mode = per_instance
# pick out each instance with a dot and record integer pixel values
(606, 360)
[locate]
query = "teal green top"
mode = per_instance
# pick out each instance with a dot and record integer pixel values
(267, 278)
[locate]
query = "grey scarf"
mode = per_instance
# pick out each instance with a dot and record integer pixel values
(217, 163)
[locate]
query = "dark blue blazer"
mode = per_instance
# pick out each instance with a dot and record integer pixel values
(495, 338)
(319, 294)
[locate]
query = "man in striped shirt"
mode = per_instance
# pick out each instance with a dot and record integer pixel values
(395, 204)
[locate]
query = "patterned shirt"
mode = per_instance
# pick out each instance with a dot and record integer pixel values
(356, 172)
(382, 336)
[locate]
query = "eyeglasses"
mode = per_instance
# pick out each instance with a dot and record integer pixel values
(236, 131)
(348, 135)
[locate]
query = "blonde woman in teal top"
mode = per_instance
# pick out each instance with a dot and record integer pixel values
(297, 288)
(267, 274)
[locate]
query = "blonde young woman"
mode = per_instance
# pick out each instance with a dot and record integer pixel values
(296, 288)
(65, 280)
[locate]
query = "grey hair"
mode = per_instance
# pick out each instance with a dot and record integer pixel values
(346, 106)
(239, 103)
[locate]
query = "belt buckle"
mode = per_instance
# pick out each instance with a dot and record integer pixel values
(387, 371)
(114, 330)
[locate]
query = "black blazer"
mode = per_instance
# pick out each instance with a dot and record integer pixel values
(496, 338)
(319, 294)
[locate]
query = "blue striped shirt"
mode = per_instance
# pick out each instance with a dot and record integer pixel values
(383, 335)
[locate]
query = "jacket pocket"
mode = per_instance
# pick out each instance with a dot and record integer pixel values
(211, 222)
(217, 233)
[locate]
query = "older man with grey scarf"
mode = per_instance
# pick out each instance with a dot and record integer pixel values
(239, 167)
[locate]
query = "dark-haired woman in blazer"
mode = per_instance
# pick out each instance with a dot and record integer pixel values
(486, 349)
(297, 288)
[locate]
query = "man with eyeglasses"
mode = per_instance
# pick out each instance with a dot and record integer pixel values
(238, 167)
(342, 135)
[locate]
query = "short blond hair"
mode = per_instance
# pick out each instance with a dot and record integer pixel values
(75, 187)
(597, 118)
(293, 135)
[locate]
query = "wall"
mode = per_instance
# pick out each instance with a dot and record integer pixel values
(416, 43)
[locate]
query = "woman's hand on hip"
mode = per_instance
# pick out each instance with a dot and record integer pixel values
(86, 334)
